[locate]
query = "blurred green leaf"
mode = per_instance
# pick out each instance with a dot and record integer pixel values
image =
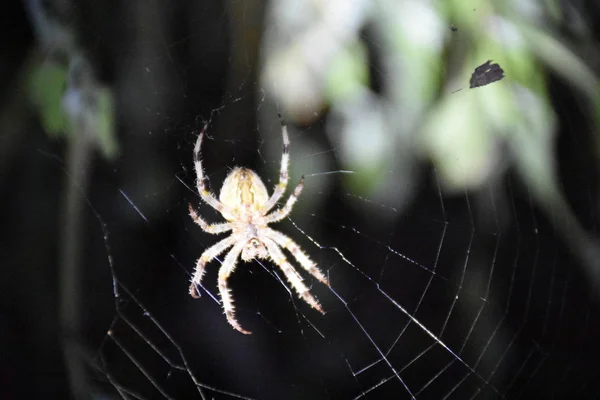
(46, 85)
(348, 74)
(105, 123)
(561, 59)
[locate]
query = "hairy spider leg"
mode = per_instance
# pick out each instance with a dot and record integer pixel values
(291, 274)
(207, 256)
(209, 228)
(206, 195)
(226, 270)
(283, 173)
(283, 212)
(300, 256)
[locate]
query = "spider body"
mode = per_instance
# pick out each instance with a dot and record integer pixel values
(244, 203)
(243, 191)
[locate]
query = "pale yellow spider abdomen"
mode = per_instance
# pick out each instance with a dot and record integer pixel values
(243, 190)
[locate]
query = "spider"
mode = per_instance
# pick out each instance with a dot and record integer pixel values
(245, 204)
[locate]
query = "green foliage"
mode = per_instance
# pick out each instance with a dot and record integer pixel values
(46, 84)
(348, 73)
(105, 127)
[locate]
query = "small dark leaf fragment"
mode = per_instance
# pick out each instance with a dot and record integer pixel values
(486, 74)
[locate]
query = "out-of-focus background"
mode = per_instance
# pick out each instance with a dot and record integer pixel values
(458, 226)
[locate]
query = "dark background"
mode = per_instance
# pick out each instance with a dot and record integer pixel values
(544, 304)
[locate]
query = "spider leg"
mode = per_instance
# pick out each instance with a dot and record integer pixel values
(208, 255)
(291, 274)
(206, 195)
(300, 256)
(227, 268)
(283, 173)
(209, 228)
(283, 212)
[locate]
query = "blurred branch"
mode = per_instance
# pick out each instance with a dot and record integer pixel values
(84, 114)
(70, 284)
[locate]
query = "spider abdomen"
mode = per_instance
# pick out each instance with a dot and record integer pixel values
(243, 190)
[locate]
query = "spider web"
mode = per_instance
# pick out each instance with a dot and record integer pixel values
(443, 303)
(473, 295)
(473, 312)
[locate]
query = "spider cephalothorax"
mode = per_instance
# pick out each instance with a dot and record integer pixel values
(245, 204)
